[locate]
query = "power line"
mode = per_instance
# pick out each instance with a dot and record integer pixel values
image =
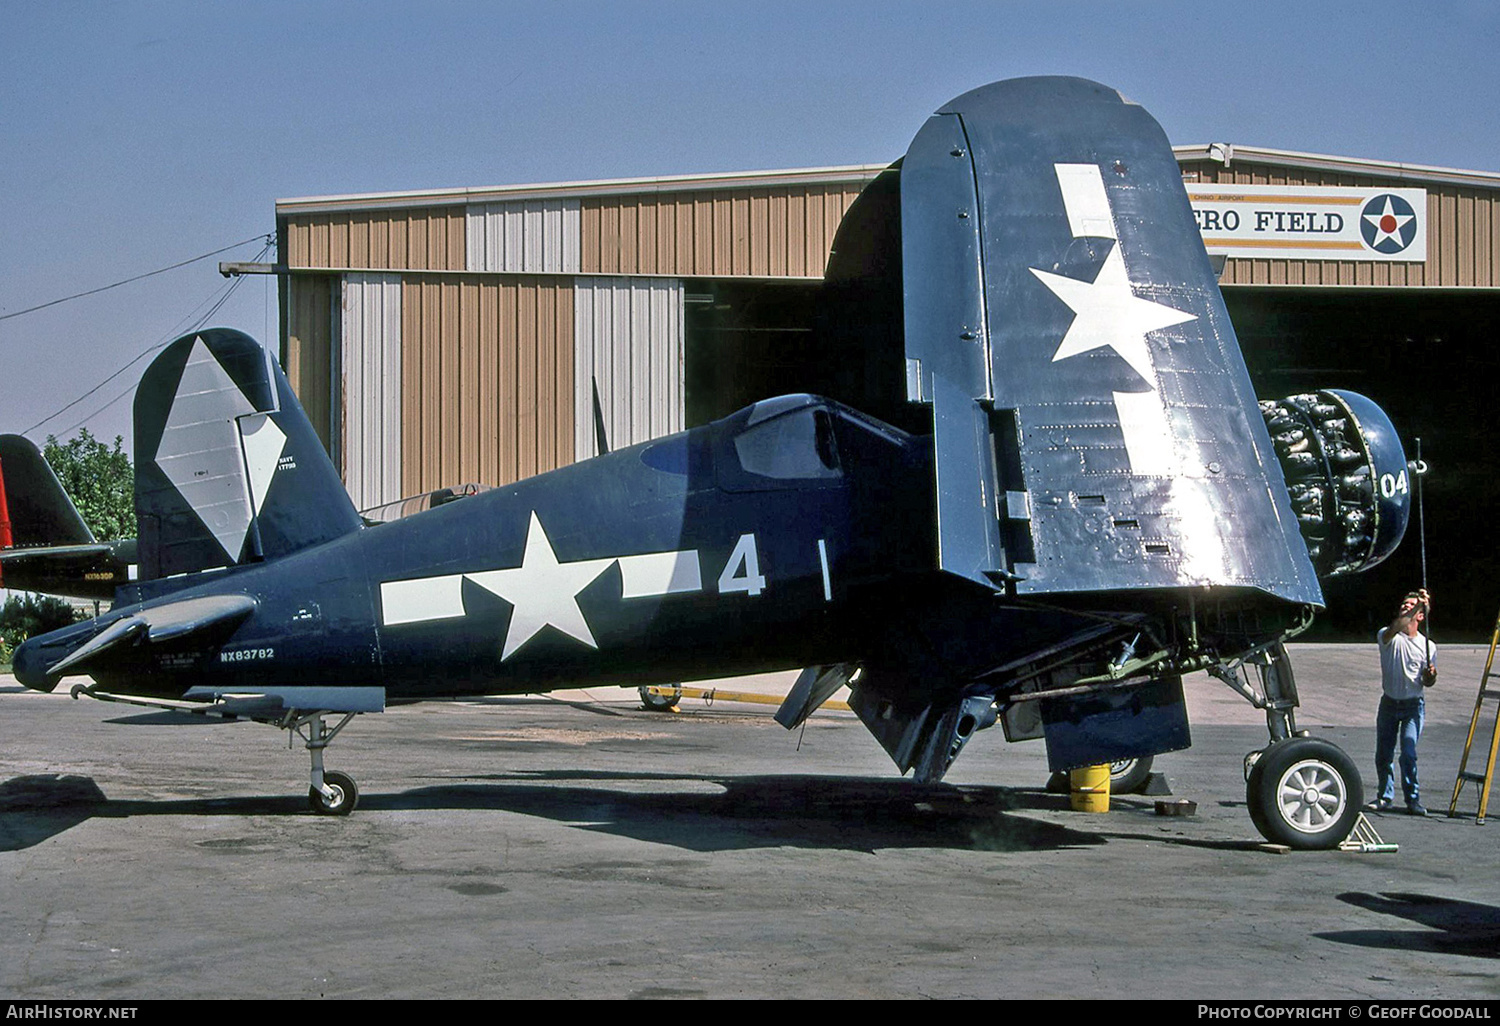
(131, 388)
(218, 299)
(138, 277)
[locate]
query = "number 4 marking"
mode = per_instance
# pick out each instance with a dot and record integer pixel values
(1391, 486)
(744, 556)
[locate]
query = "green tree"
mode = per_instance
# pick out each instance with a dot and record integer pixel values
(26, 615)
(99, 480)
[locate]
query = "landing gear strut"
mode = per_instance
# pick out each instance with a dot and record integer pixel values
(332, 793)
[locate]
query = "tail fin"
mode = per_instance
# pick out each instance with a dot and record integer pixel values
(39, 511)
(228, 468)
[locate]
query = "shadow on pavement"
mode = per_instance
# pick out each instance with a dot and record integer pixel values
(840, 813)
(1453, 927)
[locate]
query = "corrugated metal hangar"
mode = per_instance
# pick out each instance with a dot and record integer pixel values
(449, 336)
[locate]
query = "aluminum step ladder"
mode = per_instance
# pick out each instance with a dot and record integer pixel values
(1485, 778)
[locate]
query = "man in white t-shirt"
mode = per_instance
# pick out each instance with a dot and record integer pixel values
(1407, 668)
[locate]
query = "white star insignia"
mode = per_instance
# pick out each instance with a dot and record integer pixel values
(1108, 313)
(1388, 224)
(542, 591)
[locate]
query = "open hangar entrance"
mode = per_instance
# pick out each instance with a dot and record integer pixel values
(1429, 358)
(746, 340)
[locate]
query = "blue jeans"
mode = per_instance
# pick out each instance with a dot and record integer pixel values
(1398, 719)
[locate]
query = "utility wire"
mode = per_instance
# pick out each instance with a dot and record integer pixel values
(218, 298)
(148, 274)
(161, 345)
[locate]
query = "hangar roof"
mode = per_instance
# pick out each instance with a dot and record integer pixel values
(601, 187)
(1225, 153)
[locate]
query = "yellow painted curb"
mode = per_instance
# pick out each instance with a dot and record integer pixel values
(712, 695)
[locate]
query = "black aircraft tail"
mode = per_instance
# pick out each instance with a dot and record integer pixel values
(228, 468)
(45, 546)
(39, 511)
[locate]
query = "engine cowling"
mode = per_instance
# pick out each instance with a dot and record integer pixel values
(1347, 475)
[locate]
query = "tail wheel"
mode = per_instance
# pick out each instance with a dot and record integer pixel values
(346, 795)
(660, 699)
(1304, 793)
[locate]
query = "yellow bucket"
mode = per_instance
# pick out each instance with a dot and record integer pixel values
(1090, 787)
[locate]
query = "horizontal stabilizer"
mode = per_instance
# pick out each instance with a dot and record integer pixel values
(261, 703)
(172, 621)
(292, 697)
(814, 687)
(82, 571)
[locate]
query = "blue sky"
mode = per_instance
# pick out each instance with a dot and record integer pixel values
(137, 134)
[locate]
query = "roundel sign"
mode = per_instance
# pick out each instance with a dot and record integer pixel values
(1388, 224)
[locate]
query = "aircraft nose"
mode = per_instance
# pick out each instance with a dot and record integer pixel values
(1346, 474)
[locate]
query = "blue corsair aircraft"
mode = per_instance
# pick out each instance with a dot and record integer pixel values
(49, 548)
(1087, 501)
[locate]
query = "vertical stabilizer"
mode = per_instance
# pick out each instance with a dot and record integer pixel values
(228, 468)
(39, 510)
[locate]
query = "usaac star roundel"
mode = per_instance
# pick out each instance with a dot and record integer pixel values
(1388, 224)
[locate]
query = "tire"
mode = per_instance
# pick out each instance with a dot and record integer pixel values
(1304, 793)
(660, 703)
(1128, 776)
(343, 804)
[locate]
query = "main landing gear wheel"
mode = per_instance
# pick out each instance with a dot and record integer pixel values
(1128, 776)
(346, 795)
(1305, 793)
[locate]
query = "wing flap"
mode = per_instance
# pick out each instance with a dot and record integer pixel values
(814, 686)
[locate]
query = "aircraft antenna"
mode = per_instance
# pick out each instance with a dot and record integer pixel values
(1421, 513)
(1419, 470)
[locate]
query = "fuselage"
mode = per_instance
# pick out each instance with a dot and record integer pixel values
(761, 541)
